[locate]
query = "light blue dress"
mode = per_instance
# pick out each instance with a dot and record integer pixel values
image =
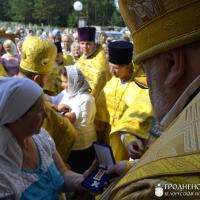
(47, 187)
(44, 183)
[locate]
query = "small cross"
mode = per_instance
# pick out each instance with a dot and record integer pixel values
(95, 184)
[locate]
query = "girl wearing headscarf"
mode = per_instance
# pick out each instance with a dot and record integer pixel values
(80, 108)
(11, 58)
(30, 166)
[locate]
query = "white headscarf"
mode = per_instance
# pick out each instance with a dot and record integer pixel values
(17, 95)
(77, 83)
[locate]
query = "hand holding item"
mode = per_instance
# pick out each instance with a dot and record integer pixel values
(71, 116)
(135, 148)
(118, 169)
(73, 182)
(97, 177)
(63, 108)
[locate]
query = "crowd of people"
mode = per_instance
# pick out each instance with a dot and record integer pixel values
(60, 93)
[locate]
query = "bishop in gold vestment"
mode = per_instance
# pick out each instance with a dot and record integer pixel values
(166, 35)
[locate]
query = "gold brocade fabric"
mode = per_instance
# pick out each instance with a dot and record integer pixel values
(174, 157)
(61, 130)
(2, 71)
(126, 108)
(162, 24)
(68, 59)
(52, 85)
(38, 55)
(96, 70)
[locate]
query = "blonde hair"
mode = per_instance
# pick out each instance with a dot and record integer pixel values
(11, 44)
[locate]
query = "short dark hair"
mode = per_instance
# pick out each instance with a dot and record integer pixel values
(27, 73)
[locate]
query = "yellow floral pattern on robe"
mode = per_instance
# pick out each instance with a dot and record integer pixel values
(61, 130)
(126, 108)
(52, 84)
(96, 70)
(173, 158)
(68, 59)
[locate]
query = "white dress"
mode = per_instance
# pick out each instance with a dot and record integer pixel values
(83, 105)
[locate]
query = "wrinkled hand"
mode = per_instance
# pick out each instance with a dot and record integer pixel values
(93, 166)
(73, 183)
(118, 169)
(71, 116)
(63, 108)
(135, 148)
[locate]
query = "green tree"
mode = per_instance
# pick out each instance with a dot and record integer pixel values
(21, 10)
(116, 19)
(4, 5)
(60, 12)
(100, 12)
(44, 11)
(72, 20)
(52, 12)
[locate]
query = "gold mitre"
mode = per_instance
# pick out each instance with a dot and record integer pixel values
(160, 25)
(38, 56)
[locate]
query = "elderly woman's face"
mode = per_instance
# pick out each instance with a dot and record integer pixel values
(76, 51)
(33, 119)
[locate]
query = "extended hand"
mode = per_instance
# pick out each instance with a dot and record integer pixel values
(71, 116)
(118, 169)
(63, 108)
(135, 148)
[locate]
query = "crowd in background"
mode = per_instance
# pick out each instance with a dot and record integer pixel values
(60, 92)
(10, 50)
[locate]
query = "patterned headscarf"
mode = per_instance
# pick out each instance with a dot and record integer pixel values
(77, 83)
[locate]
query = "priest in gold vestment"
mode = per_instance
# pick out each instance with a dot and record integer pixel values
(93, 63)
(38, 56)
(124, 111)
(166, 35)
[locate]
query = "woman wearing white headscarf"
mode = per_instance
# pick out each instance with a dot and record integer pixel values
(30, 167)
(82, 109)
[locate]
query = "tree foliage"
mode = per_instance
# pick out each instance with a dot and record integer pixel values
(4, 5)
(60, 12)
(21, 10)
